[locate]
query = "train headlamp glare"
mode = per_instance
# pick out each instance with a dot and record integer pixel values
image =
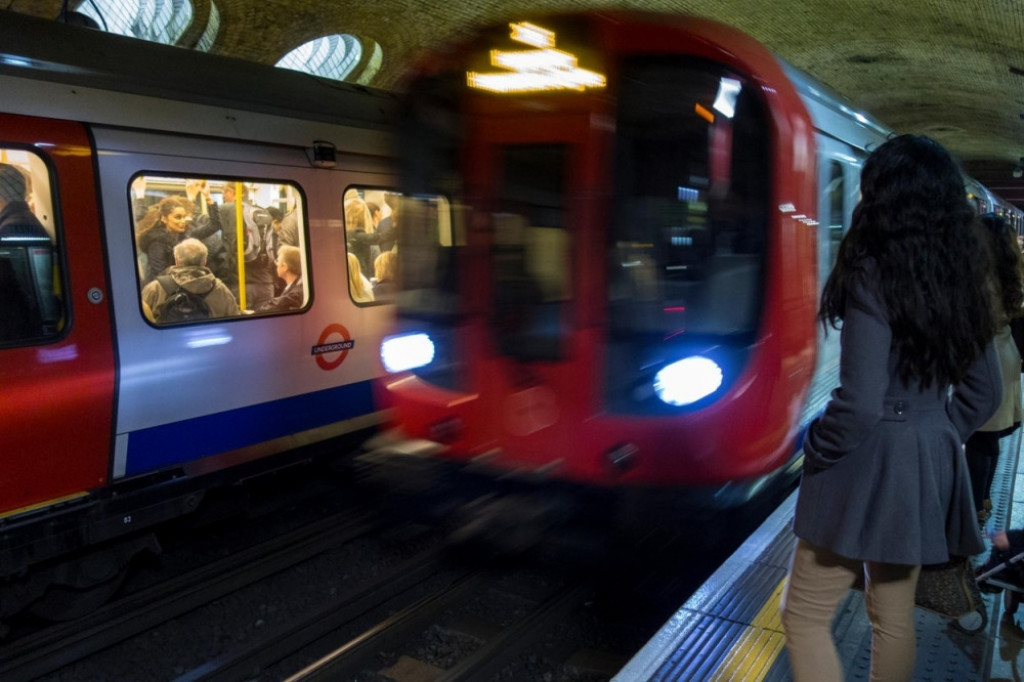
(405, 352)
(688, 380)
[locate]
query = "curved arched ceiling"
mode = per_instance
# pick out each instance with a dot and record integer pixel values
(947, 68)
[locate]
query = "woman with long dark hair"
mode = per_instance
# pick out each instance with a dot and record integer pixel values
(165, 225)
(885, 487)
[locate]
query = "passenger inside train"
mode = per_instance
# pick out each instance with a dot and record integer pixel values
(385, 276)
(30, 306)
(188, 291)
(371, 237)
(289, 271)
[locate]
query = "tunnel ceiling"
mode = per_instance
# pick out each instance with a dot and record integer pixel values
(951, 69)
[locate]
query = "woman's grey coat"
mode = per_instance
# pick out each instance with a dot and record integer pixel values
(885, 477)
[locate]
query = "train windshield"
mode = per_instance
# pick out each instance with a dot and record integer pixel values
(530, 253)
(690, 209)
(433, 226)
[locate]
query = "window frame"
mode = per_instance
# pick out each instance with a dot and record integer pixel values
(301, 205)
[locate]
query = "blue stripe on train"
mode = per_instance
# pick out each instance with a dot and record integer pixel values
(192, 439)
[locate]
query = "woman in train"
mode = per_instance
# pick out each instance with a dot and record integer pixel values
(166, 224)
(885, 487)
(363, 241)
(358, 284)
(385, 276)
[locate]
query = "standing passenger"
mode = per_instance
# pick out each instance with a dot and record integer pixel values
(885, 487)
(362, 240)
(17, 222)
(983, 445)
(190, 273)
(165, 225)
(259, 266)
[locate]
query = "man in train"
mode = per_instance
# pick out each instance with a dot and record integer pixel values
(17, 222)
(189, 276)
(259, 264)
(289, 269)
(286, 227)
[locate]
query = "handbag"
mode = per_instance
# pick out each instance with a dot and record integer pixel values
(949, 589)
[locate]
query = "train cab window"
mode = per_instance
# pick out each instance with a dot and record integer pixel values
(690, 211)
(215, 248)
(31, 308)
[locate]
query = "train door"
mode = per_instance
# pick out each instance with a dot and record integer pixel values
(56, 348)
(537, 266)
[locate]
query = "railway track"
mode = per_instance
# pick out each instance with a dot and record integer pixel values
(371, 597)
(60, 645)
(426, 620)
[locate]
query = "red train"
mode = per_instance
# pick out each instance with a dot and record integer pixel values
(644, 210)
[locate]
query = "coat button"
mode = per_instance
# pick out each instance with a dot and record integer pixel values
(899, 407)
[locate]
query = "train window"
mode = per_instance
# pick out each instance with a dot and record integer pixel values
(835, 194)
(214, 248)
(371, 230)
(690, 211)
(31, 309)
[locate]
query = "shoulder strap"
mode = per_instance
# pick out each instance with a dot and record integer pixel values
(168, 283)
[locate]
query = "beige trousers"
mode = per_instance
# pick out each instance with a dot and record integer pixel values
(818, 580)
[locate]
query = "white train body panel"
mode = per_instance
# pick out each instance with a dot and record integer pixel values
(181, 388)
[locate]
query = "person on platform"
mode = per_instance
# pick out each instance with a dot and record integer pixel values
(982, 448)
(885, 487)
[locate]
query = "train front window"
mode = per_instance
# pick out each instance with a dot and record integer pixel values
(530, 253)
(689, 215)
(31, 309)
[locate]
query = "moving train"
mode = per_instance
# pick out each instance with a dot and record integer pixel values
(113, 419)
(622, 300)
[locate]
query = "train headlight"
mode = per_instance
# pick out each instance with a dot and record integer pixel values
(688, 380)
(405, 352)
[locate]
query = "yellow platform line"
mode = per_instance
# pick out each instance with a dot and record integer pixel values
(758, 647)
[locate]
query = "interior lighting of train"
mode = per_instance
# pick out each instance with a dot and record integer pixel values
(688, 380)
(536, 70)
(406, 351)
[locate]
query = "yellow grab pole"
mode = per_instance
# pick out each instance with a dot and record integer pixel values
(240, 245)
